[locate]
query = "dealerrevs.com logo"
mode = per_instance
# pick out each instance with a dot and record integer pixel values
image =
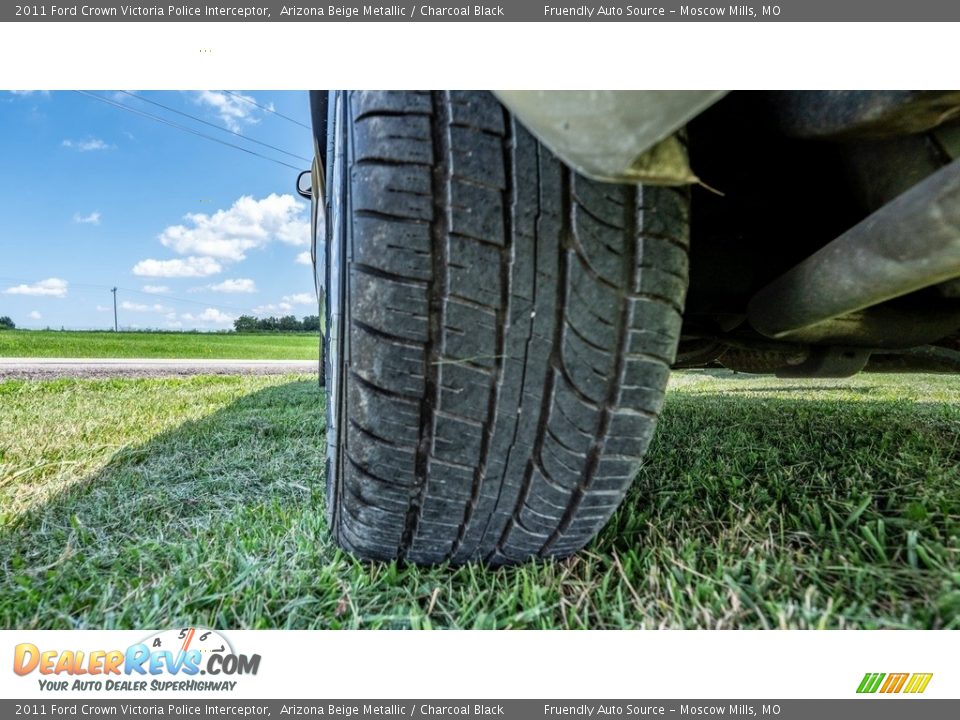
(892, 683)
(170, 660)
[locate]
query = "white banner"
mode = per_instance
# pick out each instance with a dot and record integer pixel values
(468, 664)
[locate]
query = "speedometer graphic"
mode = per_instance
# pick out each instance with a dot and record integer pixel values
(182, 640)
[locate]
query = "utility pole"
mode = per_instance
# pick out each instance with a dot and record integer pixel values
(114, 291)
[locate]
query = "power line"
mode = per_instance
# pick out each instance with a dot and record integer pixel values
(174, 298)
(214, 125)
(266, 109)
(163, 296)
(184, 128)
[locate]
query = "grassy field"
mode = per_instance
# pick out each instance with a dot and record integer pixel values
(71, 344)
(159, 503)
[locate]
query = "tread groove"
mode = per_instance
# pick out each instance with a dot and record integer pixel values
(616, 376)
(384, 335)
(389, 217)
(556, 356)
(389, 113)
(386, 392)
(503, 313)
(387, 275)
(439, 229)
(581, 205)
(369, 433)
(374, 161)
(359, 467)
(508, 454)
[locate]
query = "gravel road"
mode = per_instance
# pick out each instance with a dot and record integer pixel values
(50, 368)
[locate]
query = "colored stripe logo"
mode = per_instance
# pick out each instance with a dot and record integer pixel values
(887, 683)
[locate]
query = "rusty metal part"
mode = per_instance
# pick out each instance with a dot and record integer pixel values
(828, 362)
(910, 243)
(697, 352)
(928, 359)
(949, 290)
(615, 136)
(761, 361)
(863, 113)
(951, 343)
(881, 170)
(822, 362)
(795, 361)
(948, 138)
(883, 327)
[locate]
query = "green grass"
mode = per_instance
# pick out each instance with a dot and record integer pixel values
(76, 344)
(763, 503)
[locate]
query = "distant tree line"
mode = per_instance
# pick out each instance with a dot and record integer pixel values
(287, 323)
(7, 324)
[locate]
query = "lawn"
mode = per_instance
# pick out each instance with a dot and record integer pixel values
(76, 344)
(166, 502)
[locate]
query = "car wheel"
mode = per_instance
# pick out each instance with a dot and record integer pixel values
(500, 332)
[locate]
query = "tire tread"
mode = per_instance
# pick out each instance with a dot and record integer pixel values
(511, 329)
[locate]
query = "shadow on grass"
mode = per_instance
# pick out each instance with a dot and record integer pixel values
(749, 512)
(171, 530)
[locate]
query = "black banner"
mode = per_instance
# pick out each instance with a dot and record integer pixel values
(872, 708)
(507, 10)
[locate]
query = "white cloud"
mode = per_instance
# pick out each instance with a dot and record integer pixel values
(210, 315)
(270, 308)
(88, 145)
(228, 234)
(235, 285)
(51, 287)
(29, 92)
(234, 110)
(35, 315)
(156, 289)
(103, 308)
(286, 305)
(300, 299)
(178, 267)
(141, 307)
(225, 236)
(215, 316)
(304, 258)
(173, 324)
(91, 219)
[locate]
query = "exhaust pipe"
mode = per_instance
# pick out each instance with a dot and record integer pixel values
(910, 243)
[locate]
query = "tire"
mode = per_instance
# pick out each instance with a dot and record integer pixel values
(500, 332)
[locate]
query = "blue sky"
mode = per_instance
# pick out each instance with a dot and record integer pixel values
(192, 232)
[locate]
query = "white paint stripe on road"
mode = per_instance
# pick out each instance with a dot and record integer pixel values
(152, 362)
(46, 368)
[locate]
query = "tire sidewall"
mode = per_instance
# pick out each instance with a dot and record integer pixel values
(336, 264)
